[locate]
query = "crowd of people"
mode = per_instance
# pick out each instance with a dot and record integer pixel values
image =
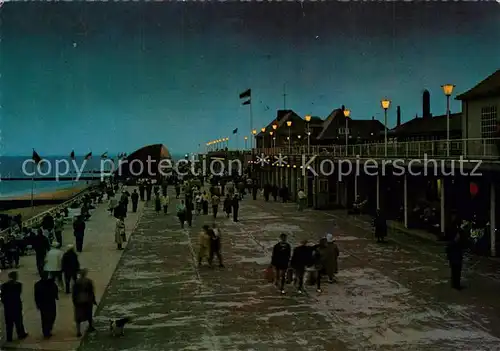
(306, 263)
(59, 269)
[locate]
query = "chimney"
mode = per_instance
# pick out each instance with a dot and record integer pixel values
(426, 104)
(398, 120)
(343, 108)
(373, 118)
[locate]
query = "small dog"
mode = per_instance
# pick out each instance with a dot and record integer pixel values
(117, 326)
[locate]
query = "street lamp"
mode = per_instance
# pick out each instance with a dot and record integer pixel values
(246, 139)
(308, 119)
(275, 126)
(448, 90)
(347, 113)
(385, 105)
(273, 139)
(289, 124)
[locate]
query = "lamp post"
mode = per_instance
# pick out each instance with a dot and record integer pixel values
(385, 105)
(246, 139)
(289, 124)
(448, 90)
(263, 130)
(308, 119)
(227, 143)
(347, 113)
(254, 133)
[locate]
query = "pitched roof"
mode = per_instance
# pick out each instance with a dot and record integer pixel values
(362, 128)
(419, 125)
(486, 88)
(282, 117)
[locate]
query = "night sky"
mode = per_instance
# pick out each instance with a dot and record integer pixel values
(117, 76)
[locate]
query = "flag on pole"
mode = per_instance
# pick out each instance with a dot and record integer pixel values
(235, 131)
(72, 155)
(246, 94)
(36, 157)
(88, 156)
(104, 155)
(248, 102)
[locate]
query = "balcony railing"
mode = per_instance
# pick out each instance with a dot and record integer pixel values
(472, 149)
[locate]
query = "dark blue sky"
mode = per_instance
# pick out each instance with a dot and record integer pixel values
(116, 76)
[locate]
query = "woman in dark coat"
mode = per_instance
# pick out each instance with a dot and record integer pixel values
(227, 205)
(84, 301)
(380, 226)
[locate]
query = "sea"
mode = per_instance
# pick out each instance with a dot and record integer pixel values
(12, 166)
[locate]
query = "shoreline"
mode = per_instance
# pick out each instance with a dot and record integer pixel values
(27, 212)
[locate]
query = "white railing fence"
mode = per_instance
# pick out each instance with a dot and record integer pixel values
(484, 148)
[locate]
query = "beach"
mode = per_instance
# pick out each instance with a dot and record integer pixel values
(28, 212)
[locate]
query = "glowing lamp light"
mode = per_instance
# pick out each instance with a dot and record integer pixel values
(347, 112)
(474, 189)
(246, 138)
(385, 104)
(448, 89)
(308, 118)
(275, 126)
(271, 132)
(299, 136)
(254, 131)
(289, 123)
(263, 130)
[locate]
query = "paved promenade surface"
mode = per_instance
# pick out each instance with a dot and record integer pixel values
(388, 297)
(99, 256)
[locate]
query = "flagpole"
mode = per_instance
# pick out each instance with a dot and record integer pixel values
(251, 124)
(33, 189)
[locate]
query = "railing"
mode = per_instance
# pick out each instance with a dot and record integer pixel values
(481, 149)
(35, 220)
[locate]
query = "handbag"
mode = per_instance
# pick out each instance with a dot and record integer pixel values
(269, 274)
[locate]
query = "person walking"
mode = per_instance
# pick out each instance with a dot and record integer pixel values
(165, 202)
(157, 203)
(301, 195)
(41, 246)
(84, 301)
(236, 206)
(330, 258)
(280, 260)
(380, 226)
(59, 227)
(79, 232)
(53, 263)
(301, 258)
(189, 210)
(177, 190)
(215, 205)
(215, 245)
(204, 245)
(227, 205)
(10, 295)
(70, 267)
(455, 255)
(135, 200)
(46, 295)
(120, 236)
(181, 213)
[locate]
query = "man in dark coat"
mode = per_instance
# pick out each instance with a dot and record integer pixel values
(13, 307)
(46, 295)
(70, 267)
(79, 232)
(84, 301)
(455, 255)
(280, 260)
(141, 191)
(380, 226)
(149, 190)
(274, 191)
(135, 200)
(302, 257)
(215, 246)
(267, 191)
(236, 206)
(41, 245)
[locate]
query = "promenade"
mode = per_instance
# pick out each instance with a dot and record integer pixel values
(388, 297)
(99, 256)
